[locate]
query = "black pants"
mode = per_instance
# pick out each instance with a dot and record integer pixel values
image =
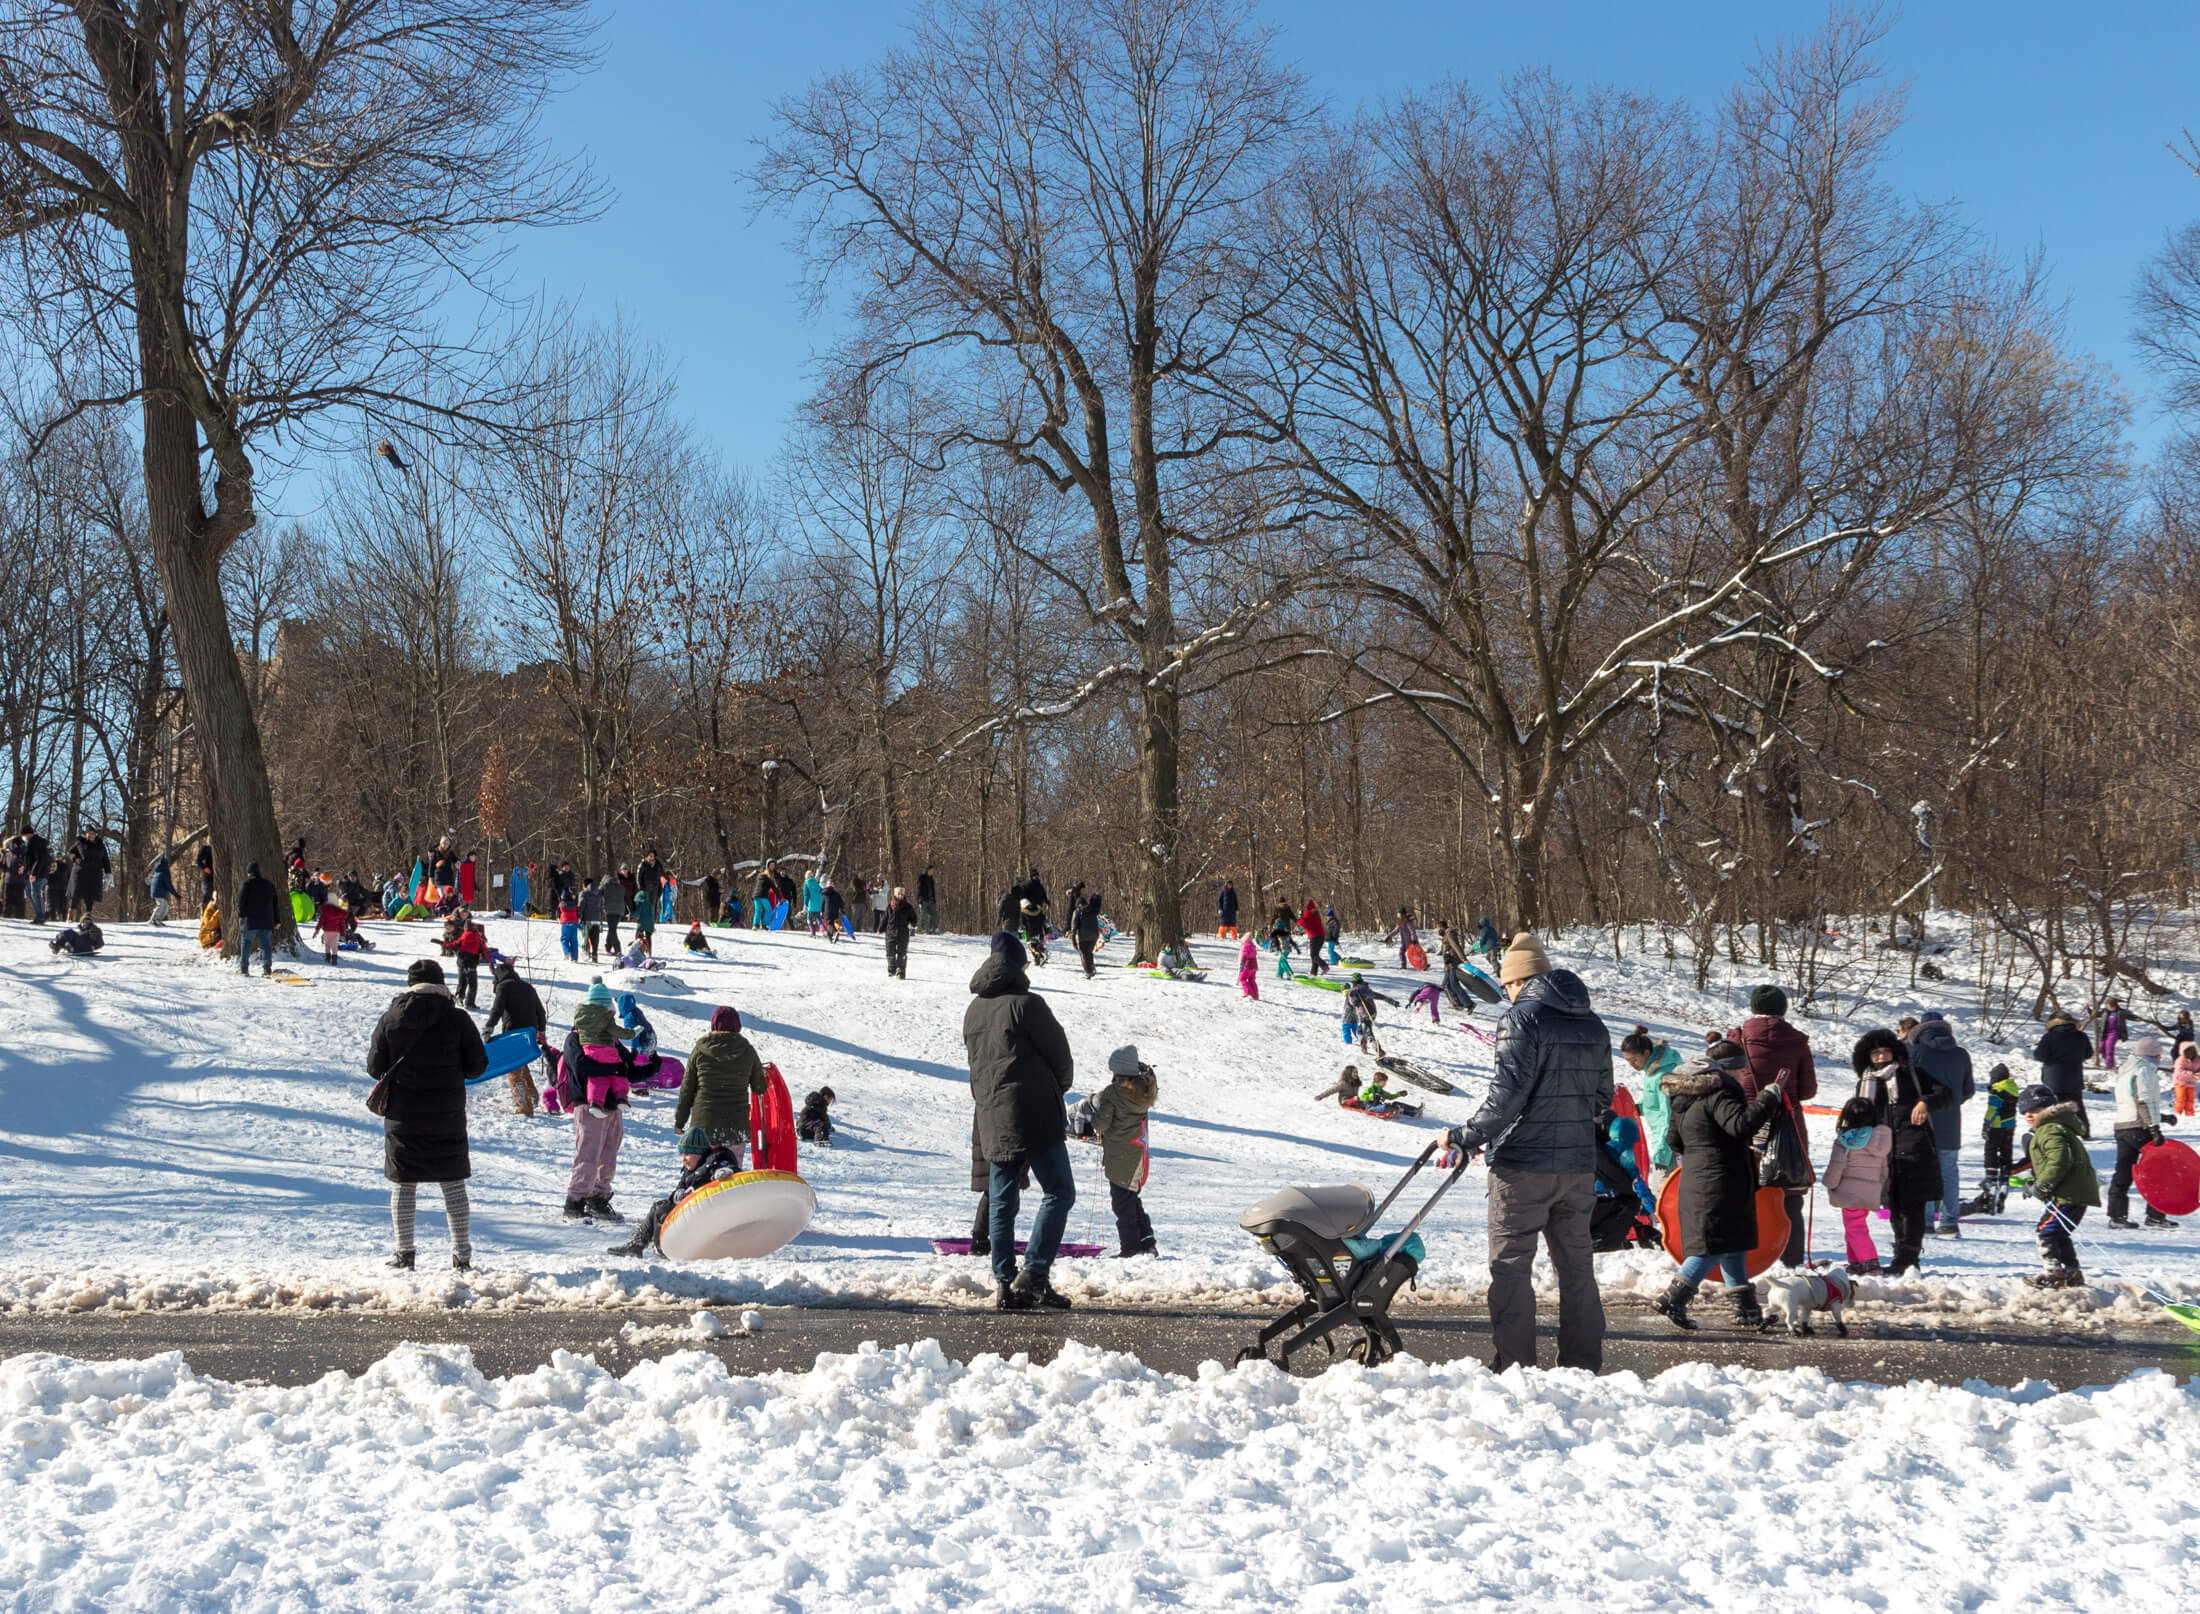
(469, 983)
(2055, 1246)
(981, 1225)
(1087, 945)
(1794, 1255)
(897, 952)
(2001, 1142)
(594, 935)
(1314, 947)
(1908, 1224)
(2129, 1141)
(1131, 1225)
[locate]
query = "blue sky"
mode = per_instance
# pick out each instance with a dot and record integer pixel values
(2046, 121)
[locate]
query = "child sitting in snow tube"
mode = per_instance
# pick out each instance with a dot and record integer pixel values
(701, 1163)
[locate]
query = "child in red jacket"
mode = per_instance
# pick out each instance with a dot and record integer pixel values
(472, 944)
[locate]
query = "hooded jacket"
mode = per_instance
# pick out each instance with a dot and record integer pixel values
(1711, 1128)
(1934, 1050)
(517, 1006)
(1913, 1165)
(428, 1048)
(722, 1071)
(2062, 1171)
(1553, 1078)
(2139, 1092)
(1774, 1045)
(1656, 1108)
(1119, 1121)
(161, 885)
(2062, 1053)
(613, 897)
(1020, 1064)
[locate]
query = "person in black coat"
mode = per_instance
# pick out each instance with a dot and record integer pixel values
(37, 871)
(1020, 1066)
(88, 876)
(1011, 913)
(2063, 1053)
(423, 1051)
(255, 921)
(928, 901)
(1226, 910)
(1084, 924)
(1711, 1127)
(206, 874)
(517, 1006)
(1903, 1098)
(901, 919)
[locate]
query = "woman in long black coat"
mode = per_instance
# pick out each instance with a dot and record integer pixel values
(1903, 1098)
(426, 1048)
(1710, 1132)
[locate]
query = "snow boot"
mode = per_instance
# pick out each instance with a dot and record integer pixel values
(1673, 1304)
(2124, 1222)
(1864, 1268)
(2057, 1278)
(1037, 1291)
(462, 1263)
(2157, 1219)
(1007, 1297)
(576, 1210)
(1747, 1313)
(600, 1208)
(402, 1261)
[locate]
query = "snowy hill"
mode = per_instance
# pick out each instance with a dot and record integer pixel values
(179, 1135)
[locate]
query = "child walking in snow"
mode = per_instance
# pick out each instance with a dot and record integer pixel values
(1359, 1013)
(472, 944)
(1249, 969)
(569, 927)
(1856, 1177)
(2184, 1077)
(1404, 935)
(331, 921)
(1119, 1125)
(2062, 1177)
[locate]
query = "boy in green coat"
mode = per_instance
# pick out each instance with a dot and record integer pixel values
(2062, 1178)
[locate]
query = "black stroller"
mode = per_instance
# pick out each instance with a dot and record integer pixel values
(1320, 1235)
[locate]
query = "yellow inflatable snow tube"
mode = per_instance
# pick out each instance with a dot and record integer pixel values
(750, 1214)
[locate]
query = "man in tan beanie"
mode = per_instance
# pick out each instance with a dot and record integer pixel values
(1539, 1123)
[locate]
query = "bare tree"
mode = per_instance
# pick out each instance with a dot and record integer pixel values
(253, 211)
(1053, 194)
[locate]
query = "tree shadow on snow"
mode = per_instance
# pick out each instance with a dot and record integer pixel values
(834, 1045)
(1373, 1156)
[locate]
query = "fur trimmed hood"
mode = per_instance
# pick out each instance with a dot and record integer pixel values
(1871, 1041)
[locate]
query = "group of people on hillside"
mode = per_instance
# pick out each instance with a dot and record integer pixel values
(39, 884)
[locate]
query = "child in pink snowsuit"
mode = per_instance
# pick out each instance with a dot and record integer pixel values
(1856, 1177)
(1249, 968)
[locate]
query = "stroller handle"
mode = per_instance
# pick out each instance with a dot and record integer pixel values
(1397, 1240)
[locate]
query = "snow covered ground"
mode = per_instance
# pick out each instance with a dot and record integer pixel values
(902, 1480)
(177, 1135)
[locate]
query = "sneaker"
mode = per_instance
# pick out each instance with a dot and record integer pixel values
(600, 1208)
(576, 1211)
(2123, 1222)
(2159, 1221)
(402, 1261)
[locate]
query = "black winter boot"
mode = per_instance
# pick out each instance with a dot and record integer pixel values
(1673, 1304)
(600, 1208)
(1747, 1313)
(402, 1261)
(1007, 1297)
(576, 1210)
(1037, 1291)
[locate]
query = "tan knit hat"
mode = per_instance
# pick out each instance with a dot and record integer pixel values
(1525, 957)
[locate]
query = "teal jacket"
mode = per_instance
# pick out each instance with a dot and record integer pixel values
(813, 895)
(1657, 1109)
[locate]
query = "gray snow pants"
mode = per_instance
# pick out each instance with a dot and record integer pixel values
(1555, 1207)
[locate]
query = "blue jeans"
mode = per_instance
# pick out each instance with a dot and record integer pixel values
(1058, 1186)
(266, 940)
(1942, 1211)
(1734, 1268)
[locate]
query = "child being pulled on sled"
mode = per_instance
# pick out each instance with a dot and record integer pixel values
(2063, 1180)
(814, 1124)
(701, 1163)
(1856, 1177)
(1119, 1126)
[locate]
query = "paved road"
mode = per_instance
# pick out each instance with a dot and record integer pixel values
(298, 1347)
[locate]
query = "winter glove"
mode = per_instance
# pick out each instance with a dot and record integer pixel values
(2154, 1134)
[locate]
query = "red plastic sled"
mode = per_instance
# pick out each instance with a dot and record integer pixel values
(2168, 1177)
(771, 1124)
(1416, 956)
(1772, 1225)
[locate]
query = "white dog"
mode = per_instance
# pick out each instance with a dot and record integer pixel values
(1795, 1295)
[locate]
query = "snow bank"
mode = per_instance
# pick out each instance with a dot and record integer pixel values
(902, 1479)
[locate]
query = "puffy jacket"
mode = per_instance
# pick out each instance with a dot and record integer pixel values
(722, 1071)
(517, 1006)
(901, 918)
(1856, 1175)
(1119, 1121)
(2062, 1171)
(2139, 1092)
(1774, 1045)
(591, 906)
(160, 885)
(1933, 1049)
(1020, 1064)
(1553, 1078)
(612, 895)
(1712, 1126)
(2062, 1053)
(1226, 905)
(428, 1047)
(813, 895)
(1310, 921)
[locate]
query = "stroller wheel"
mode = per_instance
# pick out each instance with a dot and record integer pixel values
(1369, 1352)
(1251, 1353)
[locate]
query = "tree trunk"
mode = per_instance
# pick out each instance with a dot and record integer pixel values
(240, 805)
(1160, 914)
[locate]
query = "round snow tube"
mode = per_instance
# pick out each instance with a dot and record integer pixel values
(750, 1214)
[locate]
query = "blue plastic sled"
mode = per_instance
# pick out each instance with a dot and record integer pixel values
(779, 916)
(508, 1053)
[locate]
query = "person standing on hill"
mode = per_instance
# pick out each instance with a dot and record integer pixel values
(612, 895)
(928, 901)
(2062, 1052)
(1084, 923)
(901, 919)
(256, 922)
(1539, 1124)
(1772, 1045)
(1903, 1099)
(423, 1052)
(1934, 1050)
(1226, 912)
(206, 874)
(88, 880)
(1020, 1066)
(1711, 1128)
(1310, 921)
